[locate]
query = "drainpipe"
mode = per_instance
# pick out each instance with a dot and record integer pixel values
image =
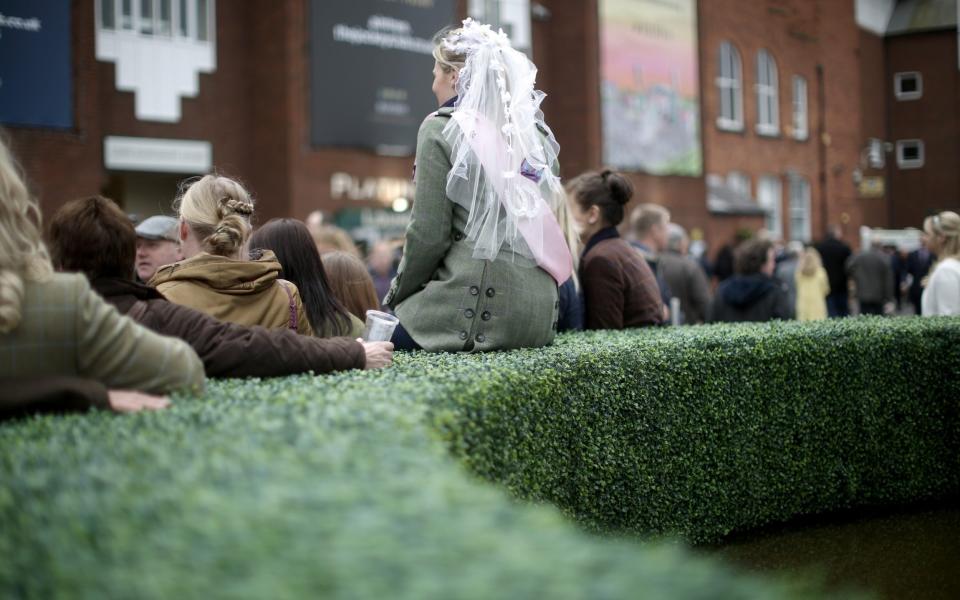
(822, 148)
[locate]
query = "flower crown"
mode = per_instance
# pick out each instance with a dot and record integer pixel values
(472, 36)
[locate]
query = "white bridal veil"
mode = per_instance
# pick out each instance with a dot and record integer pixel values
(503, 152)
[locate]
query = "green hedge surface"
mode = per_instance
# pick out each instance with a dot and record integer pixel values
(377, 484)
(703, 431)
(300, 488)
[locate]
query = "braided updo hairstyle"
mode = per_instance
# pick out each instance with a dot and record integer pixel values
(218, 210)
(606, 189)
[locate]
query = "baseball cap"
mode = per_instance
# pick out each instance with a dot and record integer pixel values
(158, 227)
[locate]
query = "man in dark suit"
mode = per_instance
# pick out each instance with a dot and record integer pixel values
(918, 266)
(834, 253)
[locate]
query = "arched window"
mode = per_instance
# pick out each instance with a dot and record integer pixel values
(768, 113)
(730, 89)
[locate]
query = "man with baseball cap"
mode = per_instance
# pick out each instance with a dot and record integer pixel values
(157, 244)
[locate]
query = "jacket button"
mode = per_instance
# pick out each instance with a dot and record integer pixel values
(474, 290)
(469, 313)
(556, 304)
(463, 335)
(485, 315)
(457, 237)
(490, 292)
(480, 337)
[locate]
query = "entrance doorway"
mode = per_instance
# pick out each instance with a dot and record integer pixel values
(142, 194)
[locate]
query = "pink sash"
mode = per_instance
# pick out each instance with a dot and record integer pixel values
(552, 254)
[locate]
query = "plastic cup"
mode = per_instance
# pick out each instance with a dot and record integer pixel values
(380, 326)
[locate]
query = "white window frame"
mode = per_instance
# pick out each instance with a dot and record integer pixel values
(800, 217)
(910, 163)
(769, 197)
(800, 114)
(768, 97)
(135, 22)
(730, 85)
(898, 83)
(740, 182)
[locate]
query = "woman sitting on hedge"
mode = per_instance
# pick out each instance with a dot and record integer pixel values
(619, 289)
(483, 253)
(215, 276)
(942, 293)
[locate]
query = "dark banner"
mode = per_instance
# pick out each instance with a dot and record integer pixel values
(36, 83)
(370, 63)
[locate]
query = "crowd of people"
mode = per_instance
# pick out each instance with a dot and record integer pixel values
(498, 254)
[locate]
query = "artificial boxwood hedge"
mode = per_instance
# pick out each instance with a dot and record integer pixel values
(348, 485)
(304, 487)
(702, 431)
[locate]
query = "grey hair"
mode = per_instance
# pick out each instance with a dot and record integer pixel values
(675, 237)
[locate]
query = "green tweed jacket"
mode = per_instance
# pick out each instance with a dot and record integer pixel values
(67, 329)
(446, 299)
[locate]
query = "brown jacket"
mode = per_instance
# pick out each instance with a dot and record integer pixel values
(246, 292)
(619, 289)
(228, 349)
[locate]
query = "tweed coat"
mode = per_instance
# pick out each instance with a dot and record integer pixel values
(67, 329)
(446, 299)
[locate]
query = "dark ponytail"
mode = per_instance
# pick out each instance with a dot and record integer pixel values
(607, 189)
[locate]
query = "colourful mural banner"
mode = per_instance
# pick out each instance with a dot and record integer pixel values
(650, 89)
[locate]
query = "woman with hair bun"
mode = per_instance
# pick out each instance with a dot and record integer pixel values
(215, 277)
(942, 293)
(619, 289)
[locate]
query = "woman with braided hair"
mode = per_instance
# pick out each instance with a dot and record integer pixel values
(484, 253)
(215, 276)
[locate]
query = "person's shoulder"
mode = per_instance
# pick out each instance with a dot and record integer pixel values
(434, 123)
(947, 266)
(58, 286)
(605, 249)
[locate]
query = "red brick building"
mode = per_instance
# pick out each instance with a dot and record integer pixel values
(793, 154)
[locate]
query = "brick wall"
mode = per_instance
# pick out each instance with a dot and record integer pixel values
(64, 164)
(254, 110)
(934, 118)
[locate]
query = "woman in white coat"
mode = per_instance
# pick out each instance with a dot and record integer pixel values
(942, 293)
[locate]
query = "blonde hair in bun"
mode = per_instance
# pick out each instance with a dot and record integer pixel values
(218, 210)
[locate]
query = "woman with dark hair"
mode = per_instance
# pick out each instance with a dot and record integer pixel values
(291, 242)
(619, 289)
(752, 294)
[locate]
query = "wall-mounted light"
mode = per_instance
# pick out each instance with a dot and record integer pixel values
(401, 204)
